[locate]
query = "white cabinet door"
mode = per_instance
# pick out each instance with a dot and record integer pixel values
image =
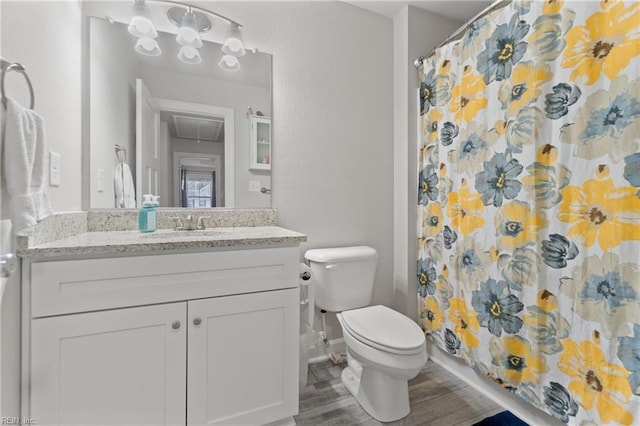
(243, 358)
(123, 366)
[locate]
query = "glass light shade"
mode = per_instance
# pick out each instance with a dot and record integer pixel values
(229, 63)
(141, 25)
(233, 44)
(189, 55)
(148, 46)
(188, 34)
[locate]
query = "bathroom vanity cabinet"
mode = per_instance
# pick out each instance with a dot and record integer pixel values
(183, 338)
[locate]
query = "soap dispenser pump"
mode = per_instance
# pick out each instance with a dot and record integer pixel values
(148, 214)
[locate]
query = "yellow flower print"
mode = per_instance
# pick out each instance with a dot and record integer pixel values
(545, 325)
(466, 210)
(431, 126)
(517, 225)
(552, 6)
(523, 87)
(468, 97)
(606, 43)
(545, 180)
(516, 361)
(465, 322)
(594, 381)
(599, 211)
(432, 220)
(431, 315)
(547, 41)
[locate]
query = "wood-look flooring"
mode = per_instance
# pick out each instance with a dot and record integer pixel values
(436, 398)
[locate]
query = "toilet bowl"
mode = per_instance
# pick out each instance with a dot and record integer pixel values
(385, 349)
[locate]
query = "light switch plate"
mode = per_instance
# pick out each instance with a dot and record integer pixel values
(54, 168)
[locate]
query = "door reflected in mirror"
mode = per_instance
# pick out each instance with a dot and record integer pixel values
(185, 128)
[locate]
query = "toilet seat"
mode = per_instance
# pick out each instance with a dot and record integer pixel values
(384, 329)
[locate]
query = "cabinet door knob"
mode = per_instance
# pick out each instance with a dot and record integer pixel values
(175, 325)
(197, 321)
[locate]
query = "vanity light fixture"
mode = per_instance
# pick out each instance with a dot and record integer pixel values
(189, 55)
(229, 63)
(148, 46)
(233, 44)
(141, 24)
(188, 34)
(191, 22)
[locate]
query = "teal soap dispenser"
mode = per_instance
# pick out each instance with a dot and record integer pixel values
(148, 214)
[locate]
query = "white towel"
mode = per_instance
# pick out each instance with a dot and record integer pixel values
(24, 167)
(123, 186)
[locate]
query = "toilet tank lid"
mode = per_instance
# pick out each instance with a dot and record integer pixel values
(341, 254)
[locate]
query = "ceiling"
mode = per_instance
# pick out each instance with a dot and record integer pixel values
(197, 127)
(457, 10)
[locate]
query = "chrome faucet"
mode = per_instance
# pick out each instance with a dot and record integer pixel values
(189, 223)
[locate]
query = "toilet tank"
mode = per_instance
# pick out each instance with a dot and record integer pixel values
(343, 276)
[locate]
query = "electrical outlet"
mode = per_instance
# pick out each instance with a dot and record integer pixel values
(254, 186)
(54, 168)
(100, 180)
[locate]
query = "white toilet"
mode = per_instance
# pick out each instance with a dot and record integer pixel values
(384, 348)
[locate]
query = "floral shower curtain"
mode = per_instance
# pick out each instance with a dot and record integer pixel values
(529, 204)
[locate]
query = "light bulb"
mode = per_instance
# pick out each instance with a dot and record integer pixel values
(229, 63)
(233, 44)
(189, 55)
(148, 46)
(141, 24)
(188, 34)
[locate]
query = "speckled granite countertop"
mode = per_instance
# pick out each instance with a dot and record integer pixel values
(108, 233)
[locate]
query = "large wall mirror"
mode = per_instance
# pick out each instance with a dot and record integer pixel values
(184, 131)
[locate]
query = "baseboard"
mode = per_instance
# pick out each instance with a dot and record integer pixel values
(335, 345)
(283, 422)
(527, 412)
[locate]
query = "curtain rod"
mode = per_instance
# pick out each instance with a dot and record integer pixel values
(417, 62)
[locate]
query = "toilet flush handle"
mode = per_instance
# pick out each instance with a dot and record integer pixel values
(331, 266)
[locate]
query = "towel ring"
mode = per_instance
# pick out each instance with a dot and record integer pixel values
(19, 68)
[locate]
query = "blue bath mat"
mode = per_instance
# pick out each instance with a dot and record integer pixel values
(504, 418)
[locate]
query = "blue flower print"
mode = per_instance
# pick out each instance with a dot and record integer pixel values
(448, 132)
(609, 288)
(450, 237)
(428, 92)
(607, 122)
(473, 31)
(498, 179)
(497, 308)
(629, 354)
(557, 103)
(451, 341)
(559, 402)
(622, 112)
(557, 250)
(426, 278)
(428, 186)
(503, 50)
(632, 170)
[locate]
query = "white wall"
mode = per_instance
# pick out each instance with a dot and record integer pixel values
(112, 97)
(46, 37)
